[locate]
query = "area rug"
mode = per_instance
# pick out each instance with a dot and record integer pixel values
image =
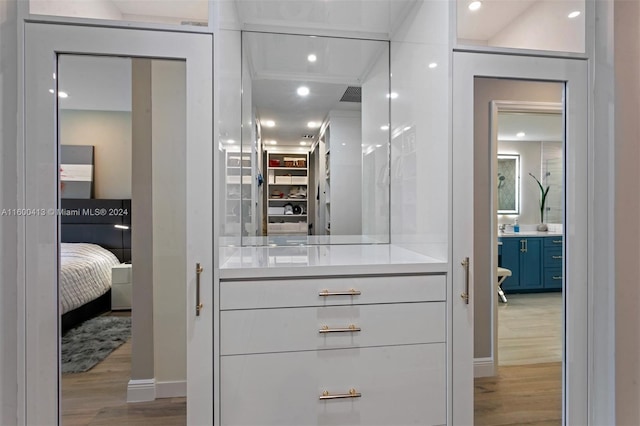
(92, 341)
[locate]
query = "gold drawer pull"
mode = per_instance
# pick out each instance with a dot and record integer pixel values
(350, 292)
(556, 257)
(557, 278)
(326, 329)
(557, 241)
(352, 394)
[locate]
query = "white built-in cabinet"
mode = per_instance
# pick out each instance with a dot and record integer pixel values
(352, 350)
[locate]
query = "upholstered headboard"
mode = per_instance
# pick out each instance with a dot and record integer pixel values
(98, 221)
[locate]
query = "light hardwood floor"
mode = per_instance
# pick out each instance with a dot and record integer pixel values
(528, 387)
(98, 397)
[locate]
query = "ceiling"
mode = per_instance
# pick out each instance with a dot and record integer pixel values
(537, 127)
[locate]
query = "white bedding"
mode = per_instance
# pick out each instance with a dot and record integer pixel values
(85, 273)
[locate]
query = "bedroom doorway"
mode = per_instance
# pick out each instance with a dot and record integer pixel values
(122, 123)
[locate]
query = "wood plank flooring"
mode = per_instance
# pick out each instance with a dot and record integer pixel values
(98, 397)
(528, 387)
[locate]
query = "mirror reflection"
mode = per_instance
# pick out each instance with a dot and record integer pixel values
(535, 138)
(313, 163)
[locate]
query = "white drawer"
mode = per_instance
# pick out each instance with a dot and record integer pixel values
(298, 329)
(399, 385)
(306, 292)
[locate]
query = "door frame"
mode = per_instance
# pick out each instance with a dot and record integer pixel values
(38, 315)
(574, 73)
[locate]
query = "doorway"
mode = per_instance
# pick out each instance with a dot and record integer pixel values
(572, 74)
(44, 43)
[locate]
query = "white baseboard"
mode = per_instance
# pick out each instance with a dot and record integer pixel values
(483, 367)
(171, 389)
(141, 390)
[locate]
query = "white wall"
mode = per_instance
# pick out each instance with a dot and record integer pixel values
(375, 172)
(419, 176)
(8, 225)
(110, 134)
(168, 83)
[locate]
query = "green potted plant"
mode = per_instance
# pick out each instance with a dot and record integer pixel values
(543, 198)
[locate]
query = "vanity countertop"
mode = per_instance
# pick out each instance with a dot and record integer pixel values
(529, 234)
(324, 260)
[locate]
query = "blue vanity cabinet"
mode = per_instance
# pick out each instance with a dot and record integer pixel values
(553, 262)
(523, 256)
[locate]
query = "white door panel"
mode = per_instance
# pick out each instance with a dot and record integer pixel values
(574, 73)
(40, 172)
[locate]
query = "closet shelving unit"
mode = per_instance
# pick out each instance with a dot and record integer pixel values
(287, 192)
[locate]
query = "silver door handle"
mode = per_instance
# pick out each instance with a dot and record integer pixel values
(465, 265)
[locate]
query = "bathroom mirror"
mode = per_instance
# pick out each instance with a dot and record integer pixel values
(530, 139)
(313, 163)
(508, 184)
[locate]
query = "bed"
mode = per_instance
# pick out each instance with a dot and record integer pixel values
(91, 244)
(85, 274)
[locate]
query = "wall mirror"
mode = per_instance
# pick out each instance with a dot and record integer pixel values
(508, 184)
(530, 138)
(313, 163)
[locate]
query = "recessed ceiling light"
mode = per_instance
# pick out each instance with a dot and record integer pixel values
(231, 141)
(378, 146)
(433, 65)
(303, 91)
(63, 95)
(520, 134)
(385, 127)
(272, 142)
(303, 142)
(344, 144)
(392, 95)
(51, 91)
(475, 5)
(268, 123)
(313, 124)
(312, 58)
(574, 14)
(407, 128)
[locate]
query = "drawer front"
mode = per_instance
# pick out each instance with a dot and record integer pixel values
(555, 241)
(399, 385)
(553, 278)
(298, 329)
(553, 257)
(306, 292)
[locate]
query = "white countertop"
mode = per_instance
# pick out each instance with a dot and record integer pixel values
(530, 234)
(324, 260)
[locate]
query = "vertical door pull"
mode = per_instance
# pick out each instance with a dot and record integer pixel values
(199, 305)
(465, 265)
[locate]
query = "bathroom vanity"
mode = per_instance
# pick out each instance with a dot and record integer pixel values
(535, 260)
(332, 335)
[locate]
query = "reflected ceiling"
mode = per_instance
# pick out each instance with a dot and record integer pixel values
(535, 126)
(278, 65)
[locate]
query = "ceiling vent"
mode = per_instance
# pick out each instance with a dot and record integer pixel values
(352, 94)
(307, 136)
